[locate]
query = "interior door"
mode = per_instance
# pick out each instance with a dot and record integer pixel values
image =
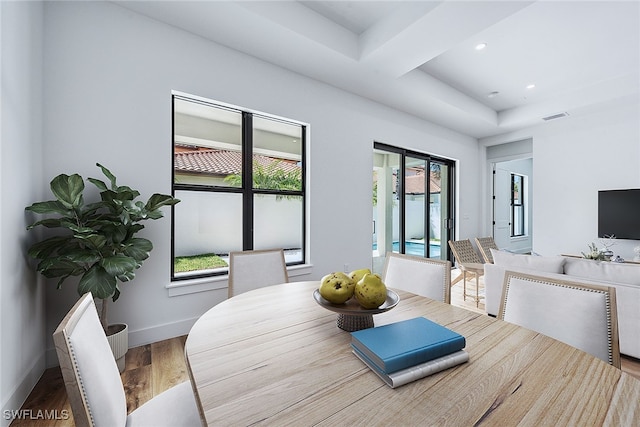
(501, 206)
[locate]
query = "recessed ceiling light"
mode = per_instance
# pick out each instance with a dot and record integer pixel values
(531, 86)
(493, 94)
(481, 46)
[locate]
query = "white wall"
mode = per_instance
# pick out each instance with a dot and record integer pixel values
(22, 326)
(573, 158)
(108, 79)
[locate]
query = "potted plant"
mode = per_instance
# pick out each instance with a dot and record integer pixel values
(98, 242)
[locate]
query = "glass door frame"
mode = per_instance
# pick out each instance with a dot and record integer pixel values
(450, 199)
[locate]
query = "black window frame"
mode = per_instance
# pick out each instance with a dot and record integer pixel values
(246, 190)
(517, 206)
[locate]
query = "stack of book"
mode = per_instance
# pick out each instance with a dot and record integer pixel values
(406, 351)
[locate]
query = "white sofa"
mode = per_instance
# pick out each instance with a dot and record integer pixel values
(625, 277)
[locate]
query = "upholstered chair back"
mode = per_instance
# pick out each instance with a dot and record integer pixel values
(583, 316)
(93, 382)
(422, 276)
(254, 269)
(89, 369)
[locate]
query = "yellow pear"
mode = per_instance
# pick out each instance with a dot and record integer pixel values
(336, 287)
(356, 275)
(370, 291)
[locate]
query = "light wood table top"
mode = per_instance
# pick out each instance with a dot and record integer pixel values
(273, 356)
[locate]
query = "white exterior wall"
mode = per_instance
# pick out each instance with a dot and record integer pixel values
(205, 229)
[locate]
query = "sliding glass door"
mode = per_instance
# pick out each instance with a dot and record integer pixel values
(412, 201)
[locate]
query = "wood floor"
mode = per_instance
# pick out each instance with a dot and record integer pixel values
(153, 368)
(149, 370)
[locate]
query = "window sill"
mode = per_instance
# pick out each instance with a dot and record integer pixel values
(205, 284)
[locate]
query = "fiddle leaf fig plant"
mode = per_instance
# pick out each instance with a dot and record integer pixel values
(98, 242)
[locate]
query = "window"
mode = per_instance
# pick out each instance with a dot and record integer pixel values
(239, 176)
(412, 204)
(517, 205)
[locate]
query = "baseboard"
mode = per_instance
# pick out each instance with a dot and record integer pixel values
(21, 391)
(141, 337)
(160, 332)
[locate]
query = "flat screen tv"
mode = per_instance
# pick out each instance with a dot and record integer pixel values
(619, 213)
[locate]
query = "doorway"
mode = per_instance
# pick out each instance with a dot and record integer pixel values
(412, 204)
(513, 204)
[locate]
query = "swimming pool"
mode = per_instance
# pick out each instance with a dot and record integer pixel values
(415, 248)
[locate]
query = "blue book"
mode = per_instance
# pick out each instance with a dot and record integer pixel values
(406, 343)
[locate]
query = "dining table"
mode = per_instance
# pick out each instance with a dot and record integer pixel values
(275, 356)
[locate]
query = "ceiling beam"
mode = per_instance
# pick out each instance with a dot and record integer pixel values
(307, 23)
(421, 31)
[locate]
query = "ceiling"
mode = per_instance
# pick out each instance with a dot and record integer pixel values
(420, 56)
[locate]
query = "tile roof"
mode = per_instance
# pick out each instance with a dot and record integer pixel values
(415, 184)
(222, 162)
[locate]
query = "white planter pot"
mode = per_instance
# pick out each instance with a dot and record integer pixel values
(118, 337)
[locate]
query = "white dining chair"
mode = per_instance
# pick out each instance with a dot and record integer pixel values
(581, 315)
(427, 277)
(93, 383)
(254, 269)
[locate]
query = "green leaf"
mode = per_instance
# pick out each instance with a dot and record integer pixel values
(45, 248)
(135, 228)
(135, 210)
(119, 264)
(115, 232)
(60, 281)
(92, 207)
(93, 241)
(80, 255)
(126, 276)
(155, 214)
(49, 223)
(98, 183)
(108, 198)
(49, 207)
(78, 229)
(138, 248)
(97, 281)
(109, 175)
(156, 201)
(126, 193)
(59, 267)
(68, 190)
